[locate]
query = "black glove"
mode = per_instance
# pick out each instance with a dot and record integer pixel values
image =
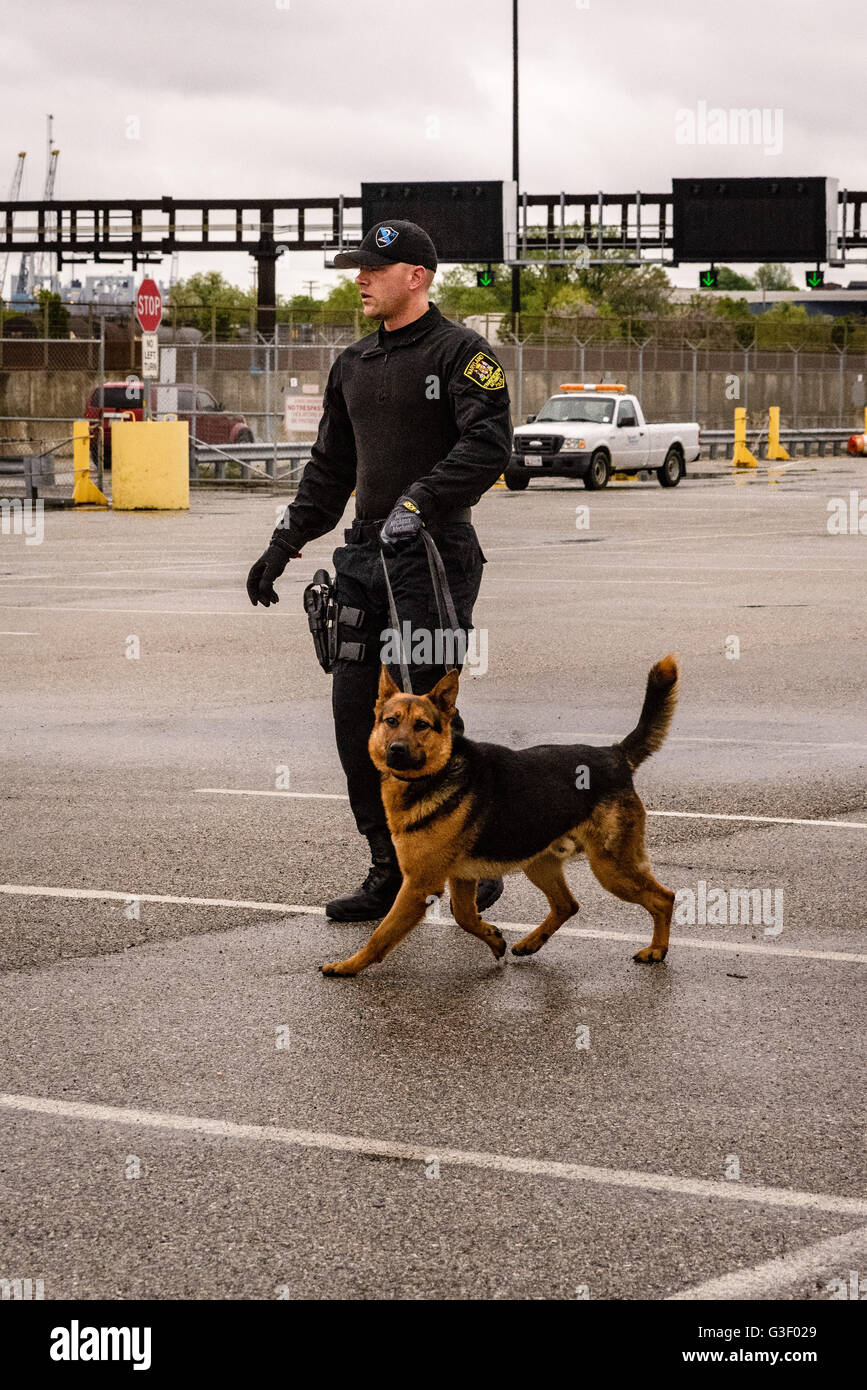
(402, 525)
(260, 580)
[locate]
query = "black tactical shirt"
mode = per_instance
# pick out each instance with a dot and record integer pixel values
(422, 410)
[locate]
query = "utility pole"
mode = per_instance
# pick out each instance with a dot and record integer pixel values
(516, 271)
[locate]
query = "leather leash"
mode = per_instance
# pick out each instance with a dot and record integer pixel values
(442, 595)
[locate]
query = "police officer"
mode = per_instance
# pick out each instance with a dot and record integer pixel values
(416, 420)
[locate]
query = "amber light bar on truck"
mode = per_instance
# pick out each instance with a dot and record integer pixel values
(590, 386)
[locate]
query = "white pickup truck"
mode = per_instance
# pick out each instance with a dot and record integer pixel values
(591, 431)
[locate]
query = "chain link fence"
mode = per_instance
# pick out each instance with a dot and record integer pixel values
(232, 385)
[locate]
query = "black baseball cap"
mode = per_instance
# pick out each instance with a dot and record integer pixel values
(391, 241)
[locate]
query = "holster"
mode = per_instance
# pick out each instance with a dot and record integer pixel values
(324, 615)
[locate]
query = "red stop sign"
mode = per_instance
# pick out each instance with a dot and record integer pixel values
(148, 306)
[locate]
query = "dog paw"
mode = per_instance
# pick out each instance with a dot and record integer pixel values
(497, 943)
(528, 945)
(339, 967)
(651, 955)
(525, 947)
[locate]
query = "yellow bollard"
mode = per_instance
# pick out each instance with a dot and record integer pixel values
(150, 467)
(741, 457)
(775, 448)
(83, 490)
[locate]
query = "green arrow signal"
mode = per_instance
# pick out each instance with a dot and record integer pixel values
(486, 279)
(814, 277)
(708, 278)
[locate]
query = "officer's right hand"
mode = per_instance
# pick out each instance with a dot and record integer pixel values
(260, 580)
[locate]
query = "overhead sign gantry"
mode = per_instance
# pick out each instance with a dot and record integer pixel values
(639, 227)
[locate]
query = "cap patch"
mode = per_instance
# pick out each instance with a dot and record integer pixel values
(486, 371)
(385, 236)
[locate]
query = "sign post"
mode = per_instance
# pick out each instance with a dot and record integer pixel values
(150, 357)
(149, 312)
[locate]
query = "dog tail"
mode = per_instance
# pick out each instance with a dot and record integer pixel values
(657, 712)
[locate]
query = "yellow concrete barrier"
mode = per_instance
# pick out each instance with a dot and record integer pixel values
(84, 492)
(150, 467)
(775, 448)
(741, 457)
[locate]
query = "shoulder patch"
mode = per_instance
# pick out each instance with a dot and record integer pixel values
(486, 371)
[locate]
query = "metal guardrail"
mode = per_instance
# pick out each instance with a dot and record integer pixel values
(36, 469)
(799, 443)
(837, 439)
(248, 457)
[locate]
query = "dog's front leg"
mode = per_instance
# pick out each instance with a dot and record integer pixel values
(406, 913)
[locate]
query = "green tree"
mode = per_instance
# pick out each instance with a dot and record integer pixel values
(786, 311)
(456, 294)
(53, 316)
(616, 290)
(343, 295)
(728, 308)
(207, 299)
(773, 277)
(630, 291)
(728, 279)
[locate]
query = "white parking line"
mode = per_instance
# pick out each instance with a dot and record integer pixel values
(462, 1158)
(590, 562)
(159, 612)
(302, 796)
(16, 633)
(663, 538)
(833, 1256)
(764, 820)
(519, 928)
(558, 734)
(509, 579)
(142, 587)
(683, 815)
(29, 890)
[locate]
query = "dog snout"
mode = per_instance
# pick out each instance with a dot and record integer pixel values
(398, 754)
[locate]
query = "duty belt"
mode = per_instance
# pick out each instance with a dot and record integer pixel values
(325, 612)
(363, 529)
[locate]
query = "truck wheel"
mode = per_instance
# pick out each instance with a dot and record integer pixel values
(597, 475)
(671, 471)
(516, 482)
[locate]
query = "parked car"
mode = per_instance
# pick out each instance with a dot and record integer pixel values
(123, 400)
(590, 431)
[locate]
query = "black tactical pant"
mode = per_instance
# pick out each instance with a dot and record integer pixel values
(361, 584)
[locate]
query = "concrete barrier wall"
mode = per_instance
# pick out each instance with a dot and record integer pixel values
(821, 396)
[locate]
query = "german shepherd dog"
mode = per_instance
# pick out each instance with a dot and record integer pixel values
(459, 811)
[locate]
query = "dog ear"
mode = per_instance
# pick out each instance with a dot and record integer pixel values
(445, 693)
(387, 687)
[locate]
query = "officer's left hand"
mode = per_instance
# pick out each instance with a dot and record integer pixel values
(402, 525)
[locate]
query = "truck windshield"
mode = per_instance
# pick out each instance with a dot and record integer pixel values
(597, 410)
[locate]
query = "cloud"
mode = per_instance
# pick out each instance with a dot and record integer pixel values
(260, 98)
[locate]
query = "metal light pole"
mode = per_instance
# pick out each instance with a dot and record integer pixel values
(516, 272)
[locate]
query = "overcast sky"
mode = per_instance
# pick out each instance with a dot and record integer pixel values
(310, 97)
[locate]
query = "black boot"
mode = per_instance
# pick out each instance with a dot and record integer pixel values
(488, 890)
(377, 893)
